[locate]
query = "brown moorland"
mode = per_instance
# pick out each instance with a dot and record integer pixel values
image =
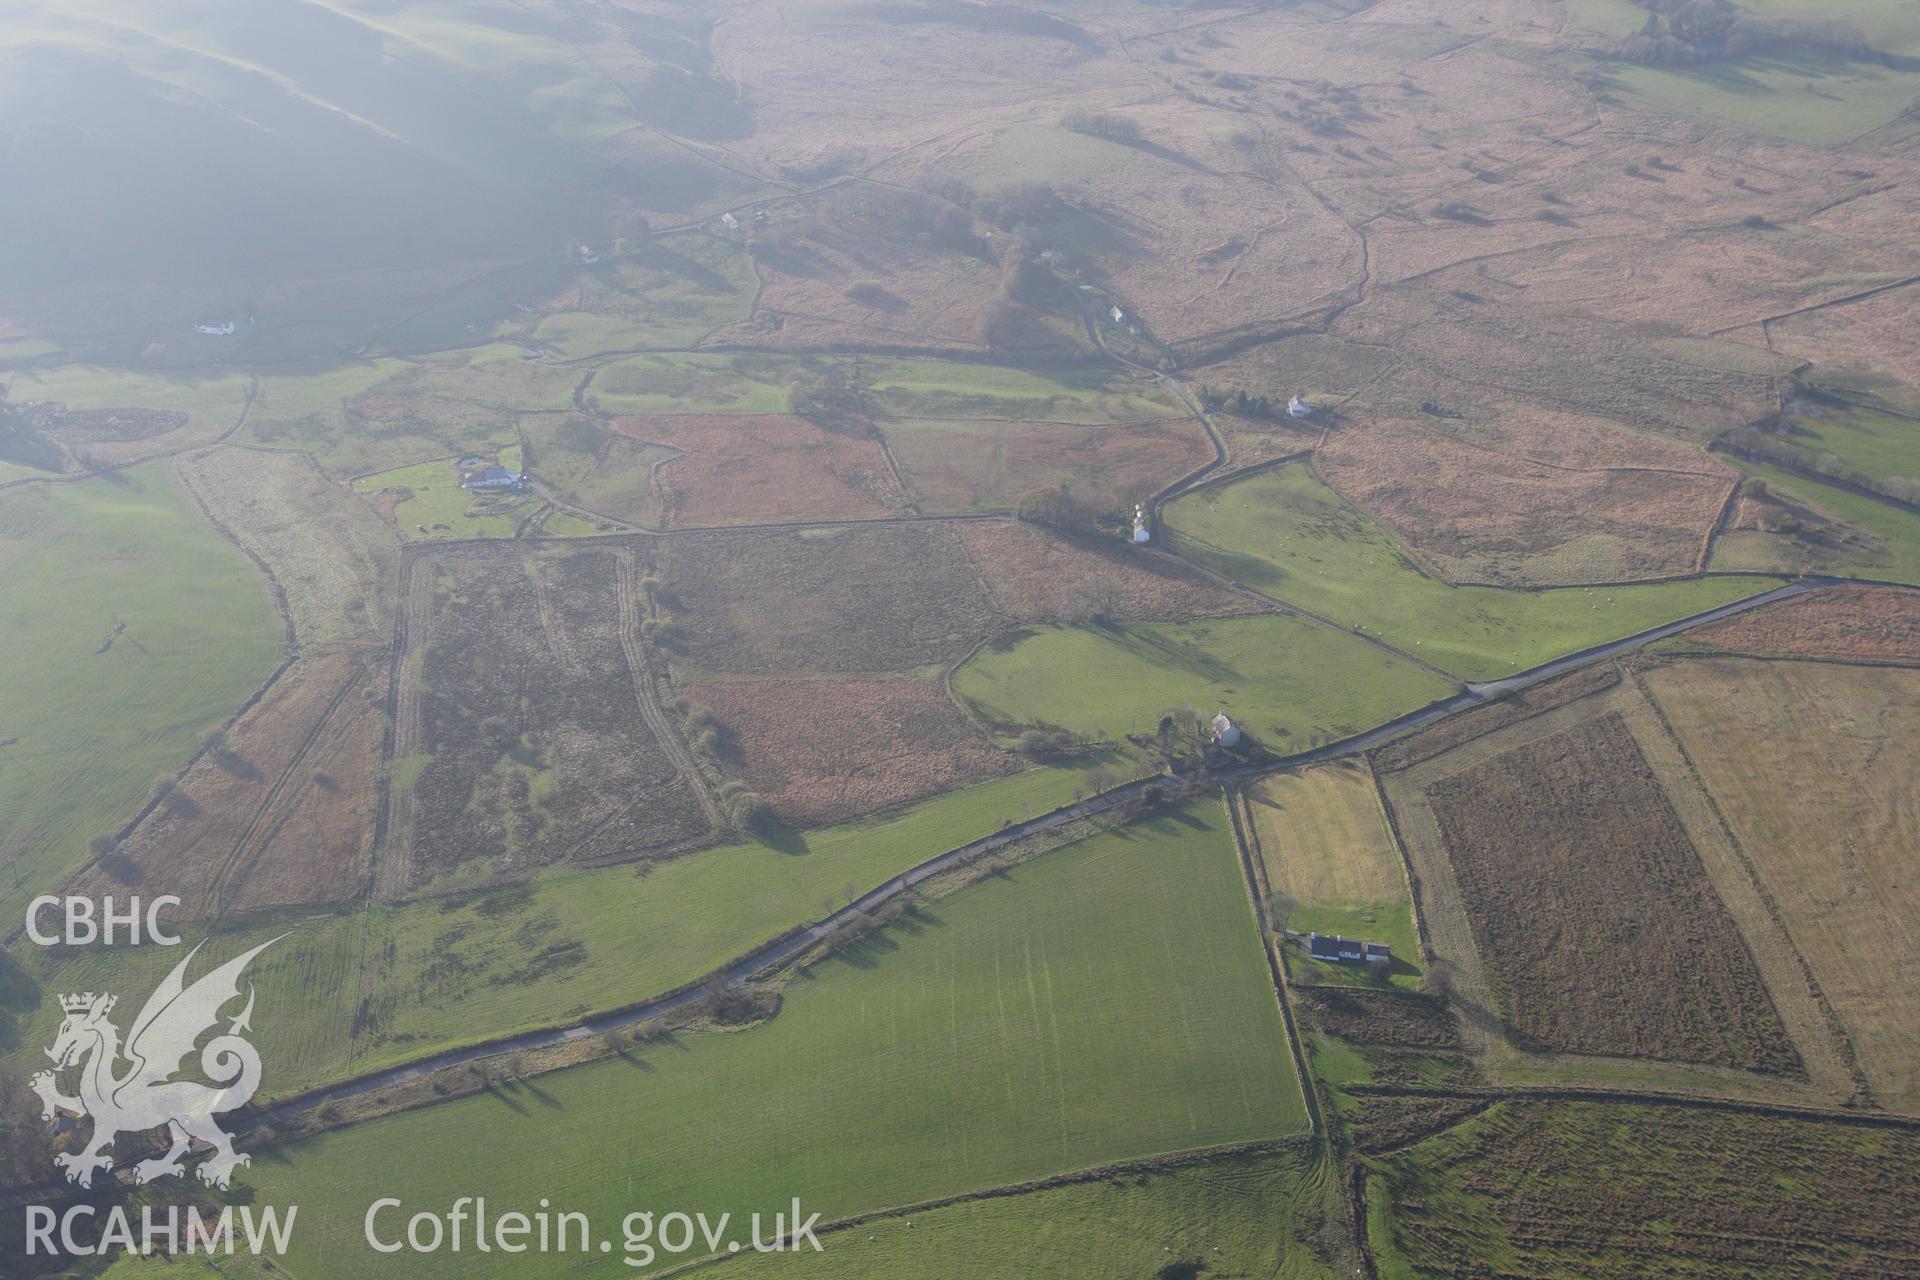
(1481, 515)
(849, 269)
(978, 465)
(1847, 624)
(1875, 332)
(521, 738)
(1181, 227)
(884, 597)
(823, 751)
(1593, 913)
(764, 468)
(1038, 575)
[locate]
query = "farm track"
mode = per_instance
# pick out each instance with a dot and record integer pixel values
(646, 693)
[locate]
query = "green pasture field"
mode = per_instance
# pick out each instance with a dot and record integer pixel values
(1285, 533)
(595, 468)
(1332, 867)
(458, 402)
(440, 973)
(694, 384)
(472, 311)
(241, 1266)
(669, 293)
(1105, 1001)
(499, 375)
(1254, 1215)
(210, 403)
(1890, 28)
(128, 630)
(1894, 556)
(558, 524)
(1036, 152)
(1290, 682)
(1868, 440)
(1808, 96)
(1608, 17)
(439, 508)
(26, 348)
(915, 388)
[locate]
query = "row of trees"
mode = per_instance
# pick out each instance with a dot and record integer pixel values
(1771, 447)
(1241, 403)
(1103, 124)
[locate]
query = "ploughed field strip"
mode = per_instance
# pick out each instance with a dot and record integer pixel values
(1575, 874)
(1828, 819)
(1606, 1191)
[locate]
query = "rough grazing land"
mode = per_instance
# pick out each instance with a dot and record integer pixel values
(281, 814)
(765, 467)
(1038, 575)
(334, 558)
(1380, 1017)
(960, 466)
(1872, 624)
(1487, 516)
(1829, 812)
(1592, 912)
(828, 750)
(874, 598)
(1606, 1192)
(528, 742)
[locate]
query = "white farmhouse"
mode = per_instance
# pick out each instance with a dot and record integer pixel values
(1225, 732)
(1299, 408)
(1141, 531)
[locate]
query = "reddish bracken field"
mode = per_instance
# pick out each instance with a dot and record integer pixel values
(1489, 515)
(1037, 575)
(764, 468)
(824, 751)
(1873, 624)
(281, 814)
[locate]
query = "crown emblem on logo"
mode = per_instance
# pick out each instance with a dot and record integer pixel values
(82, 1003)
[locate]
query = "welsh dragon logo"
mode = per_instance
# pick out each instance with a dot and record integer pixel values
(143, 1095)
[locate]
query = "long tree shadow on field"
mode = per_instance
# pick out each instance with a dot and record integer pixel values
(1181, 654)
(870, 950)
